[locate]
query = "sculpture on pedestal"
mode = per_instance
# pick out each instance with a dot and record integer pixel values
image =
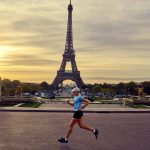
(141, 94)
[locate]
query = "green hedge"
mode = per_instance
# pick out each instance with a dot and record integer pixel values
(31, 104)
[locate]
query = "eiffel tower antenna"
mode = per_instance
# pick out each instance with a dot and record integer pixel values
(70, 2)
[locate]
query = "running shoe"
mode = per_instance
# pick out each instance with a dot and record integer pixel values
(63, 140)
(96, 133)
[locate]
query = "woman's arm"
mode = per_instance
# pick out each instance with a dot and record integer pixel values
(68, 102)
(86, 102)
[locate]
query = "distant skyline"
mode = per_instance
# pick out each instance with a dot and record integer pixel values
(111, 39)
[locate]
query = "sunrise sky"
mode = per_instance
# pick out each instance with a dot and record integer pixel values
(111, 39)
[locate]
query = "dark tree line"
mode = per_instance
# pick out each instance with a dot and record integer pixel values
(8, 87)
(120, 88)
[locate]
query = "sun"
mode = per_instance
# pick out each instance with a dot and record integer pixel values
(4, 50)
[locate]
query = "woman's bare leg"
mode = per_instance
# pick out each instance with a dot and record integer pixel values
(71, 125)
(84, 126)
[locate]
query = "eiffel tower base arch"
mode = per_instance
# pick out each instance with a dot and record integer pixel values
(62, 76)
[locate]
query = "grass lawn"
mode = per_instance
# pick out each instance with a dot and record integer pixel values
(31, 104)
(141, 106)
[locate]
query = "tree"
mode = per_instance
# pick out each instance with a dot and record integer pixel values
(44, 85)
(7, 83)
(97, 88)
(105, 85)
(6, 86)
(15, 83)
(26, 88)
(131, 86)
(121, 88)
(146, 86)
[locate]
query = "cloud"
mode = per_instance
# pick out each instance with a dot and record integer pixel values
(118, 79)
(115, 25)
(111, 38)
(28, 60)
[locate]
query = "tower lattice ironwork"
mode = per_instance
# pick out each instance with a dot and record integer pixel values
(68, 56)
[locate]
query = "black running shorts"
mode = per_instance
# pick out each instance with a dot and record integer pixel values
(77, 114)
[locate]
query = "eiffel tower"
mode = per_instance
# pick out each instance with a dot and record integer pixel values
(68, 56)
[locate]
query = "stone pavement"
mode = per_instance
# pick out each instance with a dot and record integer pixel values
(92, 108)
(40, 131)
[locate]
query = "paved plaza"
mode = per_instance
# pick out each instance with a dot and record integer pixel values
(59, 105)
(37, 131)
(63, 107)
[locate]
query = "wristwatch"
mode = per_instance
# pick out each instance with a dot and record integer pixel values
(83, 107)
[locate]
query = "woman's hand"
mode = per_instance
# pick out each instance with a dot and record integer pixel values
(68, 101)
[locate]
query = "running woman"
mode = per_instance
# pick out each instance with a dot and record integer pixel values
(78, 115)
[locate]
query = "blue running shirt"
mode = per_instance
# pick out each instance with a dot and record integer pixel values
(77, 102)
